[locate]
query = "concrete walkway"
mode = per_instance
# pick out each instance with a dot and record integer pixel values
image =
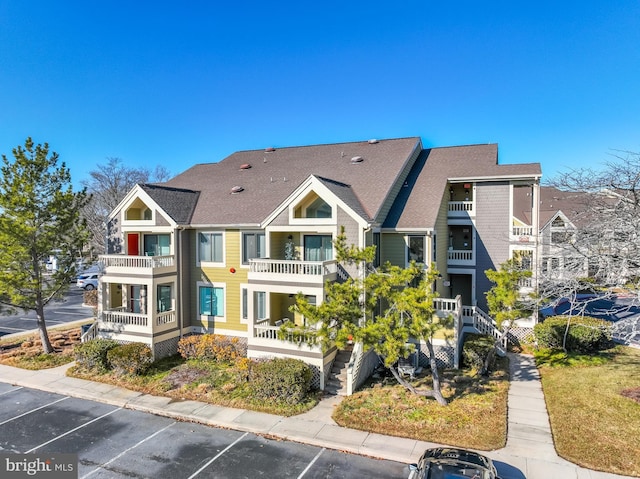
(529, 452)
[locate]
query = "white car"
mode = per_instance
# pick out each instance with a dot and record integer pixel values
(88, 281)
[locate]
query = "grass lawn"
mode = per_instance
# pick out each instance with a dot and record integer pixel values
(476, 416)
(594, 408)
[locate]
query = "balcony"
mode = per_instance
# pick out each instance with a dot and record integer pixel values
(297, 272)
(461, 209)
(121, 321)
(522, 234)
(126, 264)
(460, 257)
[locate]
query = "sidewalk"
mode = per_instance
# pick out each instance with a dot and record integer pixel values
(529, 453)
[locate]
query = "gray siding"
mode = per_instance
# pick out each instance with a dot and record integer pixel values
(114, 236)
(351, 231)
(393, 193)
(282, 219)
(492, 232)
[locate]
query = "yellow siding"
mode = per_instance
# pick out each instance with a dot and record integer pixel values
(232, 281)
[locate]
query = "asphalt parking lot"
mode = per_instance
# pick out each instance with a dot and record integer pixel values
(56, 313)
(112, 442)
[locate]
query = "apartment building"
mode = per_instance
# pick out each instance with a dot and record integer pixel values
(225, 247)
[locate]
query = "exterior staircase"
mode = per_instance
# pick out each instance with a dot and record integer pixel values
(337, 382)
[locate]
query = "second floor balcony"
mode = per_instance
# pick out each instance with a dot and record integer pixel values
(299, 272)
(460, 257)
(127, 264)
(461, 209)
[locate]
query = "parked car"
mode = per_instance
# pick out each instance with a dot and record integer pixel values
(88, 281)
(452, 463)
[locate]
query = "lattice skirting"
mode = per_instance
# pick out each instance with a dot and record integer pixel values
(315, 379)
(165, 348)
(520, 335)
(445, 355)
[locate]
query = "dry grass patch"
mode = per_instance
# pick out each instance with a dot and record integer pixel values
(26, 351)
(594, 417)
(476, 416)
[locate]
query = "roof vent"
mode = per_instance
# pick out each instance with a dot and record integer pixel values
(245, 166)
(270, 149)
(236, 189)
(373, 141)
(356, 159)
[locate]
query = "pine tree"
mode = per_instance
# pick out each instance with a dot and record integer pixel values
(39, 214)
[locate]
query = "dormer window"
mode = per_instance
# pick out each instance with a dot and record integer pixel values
(318, 209)
(138, 211)
(313, 207)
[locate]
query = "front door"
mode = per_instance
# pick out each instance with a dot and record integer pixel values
(133, 244)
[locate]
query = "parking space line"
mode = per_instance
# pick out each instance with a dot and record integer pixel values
(127, 450)
(17, 388)
(218, 455)
(306, 469)
(33, 410)
(72, 430)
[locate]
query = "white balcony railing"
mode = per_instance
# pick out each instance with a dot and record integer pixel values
(461, 208)
(460, 255)
(125, 318)
(137, 262)
(292, 270)
(522, 231)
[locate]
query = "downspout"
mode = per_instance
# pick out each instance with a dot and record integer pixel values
(179, 238)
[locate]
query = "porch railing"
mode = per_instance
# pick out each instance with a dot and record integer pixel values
(461, 206)
(166, 317)
(264, 330)
(292, 267)
(147, 262)
(460, 255)
(124, 318)
(522, 231)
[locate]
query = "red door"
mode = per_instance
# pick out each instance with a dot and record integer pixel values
(133, 244)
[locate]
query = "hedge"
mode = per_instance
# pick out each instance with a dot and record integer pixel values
(585, 335)
(283, 380)
(475, 349)
(93, 354)
(130, 358)
(214, 347)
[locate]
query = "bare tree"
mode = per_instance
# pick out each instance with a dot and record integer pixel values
(108, 185)
(600, 255)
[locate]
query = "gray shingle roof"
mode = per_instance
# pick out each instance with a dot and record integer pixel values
(274, 175)
(418, 203)
(178, 203)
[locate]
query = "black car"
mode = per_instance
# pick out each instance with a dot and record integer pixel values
(452, 463)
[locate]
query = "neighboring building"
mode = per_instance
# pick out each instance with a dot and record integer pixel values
(225, 247)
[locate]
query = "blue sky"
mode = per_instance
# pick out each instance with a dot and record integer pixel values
(179, 83)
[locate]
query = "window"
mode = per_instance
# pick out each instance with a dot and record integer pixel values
(210, 247)
(261, 304)
(524, 259)
(245, 303)
(138, 299)
(376, 243)
(157, 245)
(560, 237)
(164, 298)
(318, 248)
(415, 249)
(211, 301)
(318, 209)
(253, 246)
